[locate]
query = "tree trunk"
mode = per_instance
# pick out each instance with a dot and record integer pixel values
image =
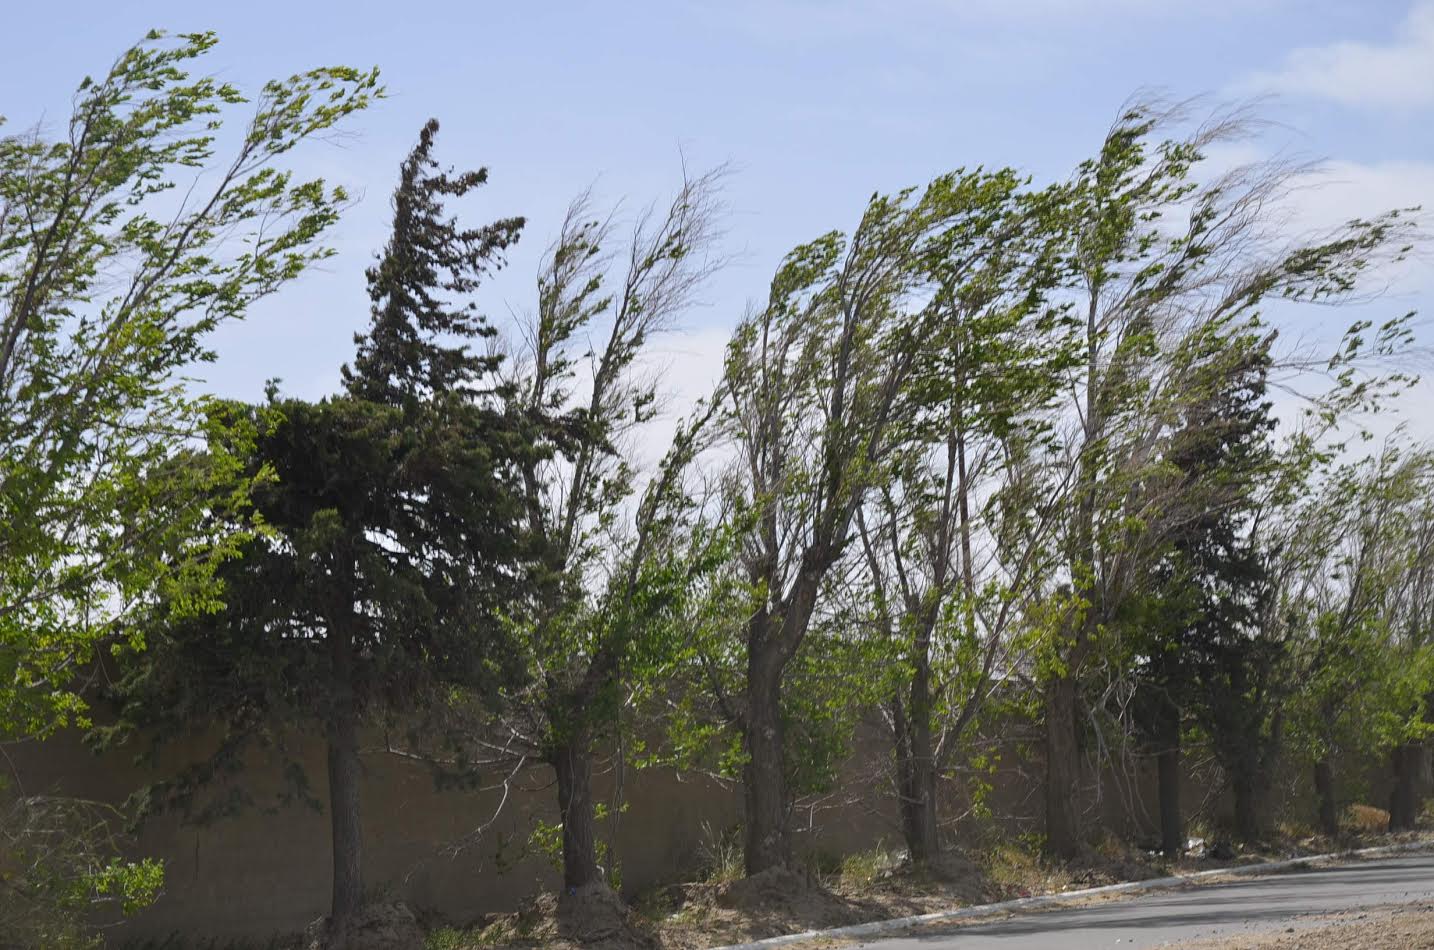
(1062, 770)
(574, 767)
(1328, 803)
(1172, 819)
(916, 786)
(347, 840)
(1404, 798)
(764, 776)
(1249, 821)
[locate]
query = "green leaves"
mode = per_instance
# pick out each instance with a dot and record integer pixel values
(63, 873)
(391, 543)
(1349, 605)
(110, 283)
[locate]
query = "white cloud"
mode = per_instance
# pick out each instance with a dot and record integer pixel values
(1342, 190)
(1336, 192)
(1397, 75)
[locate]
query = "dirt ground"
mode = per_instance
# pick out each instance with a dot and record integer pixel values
(697, 915)
(1387, 928)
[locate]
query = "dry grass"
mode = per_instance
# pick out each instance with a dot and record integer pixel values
(1366, 819)
(723, 907)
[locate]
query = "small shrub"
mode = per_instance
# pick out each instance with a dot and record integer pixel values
(1294, 828)
(1111, 846)
(1426, 814)
(822, 863)
(1008, 864)
(864, 868)
(177, 942)
(450, 938)
(63, 873)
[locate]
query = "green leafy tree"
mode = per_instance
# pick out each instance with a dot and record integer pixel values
(815, 386)
(113, 272)
(959, 540)
(615, 545)
(126, 238)
(1362, 689)
(1160, 254)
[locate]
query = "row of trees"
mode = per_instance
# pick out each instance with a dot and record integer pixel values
(1002, 456)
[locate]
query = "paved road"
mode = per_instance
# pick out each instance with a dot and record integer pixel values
(1246, 905)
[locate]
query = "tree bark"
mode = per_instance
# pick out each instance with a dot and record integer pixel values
(1404, 798)
(764, 776)
(916, 785)
(1062, 770)
(1249, 818)
(1328, 803)
(1172, 818)
(574, 767)
(344, 778)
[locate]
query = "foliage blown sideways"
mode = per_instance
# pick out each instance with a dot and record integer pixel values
(125, 240)
(997, 477)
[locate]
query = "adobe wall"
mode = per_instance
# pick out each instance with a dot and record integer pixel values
(261, 874)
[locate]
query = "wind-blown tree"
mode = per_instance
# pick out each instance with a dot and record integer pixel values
(393, 541)
(109, 288)
(614, 548)
(1361, 690)
(956, 544)
(815, 381)
(1412, 644)
(1159, 254)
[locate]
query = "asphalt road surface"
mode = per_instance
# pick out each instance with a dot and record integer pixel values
(1295, 899)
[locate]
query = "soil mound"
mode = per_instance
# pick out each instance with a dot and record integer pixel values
(377, 927)
(591, 918)
(595, 917)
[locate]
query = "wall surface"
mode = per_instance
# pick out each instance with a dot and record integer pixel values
(264, 873)
(267, 872)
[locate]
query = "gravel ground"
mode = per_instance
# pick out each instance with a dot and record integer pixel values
(1401, 927)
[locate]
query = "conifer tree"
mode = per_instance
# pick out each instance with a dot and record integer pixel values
(394, 538)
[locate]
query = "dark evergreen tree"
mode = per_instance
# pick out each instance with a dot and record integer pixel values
(396, 535)
(1205, 648)
(419, 344)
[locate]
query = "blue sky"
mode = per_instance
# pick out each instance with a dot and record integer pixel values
(816, 104)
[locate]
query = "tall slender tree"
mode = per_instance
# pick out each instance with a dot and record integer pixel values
(815, 381)
(613, 551)
(953, 547)
(110, 290)
(1201, 639)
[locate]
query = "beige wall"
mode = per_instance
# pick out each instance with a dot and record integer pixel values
(260, 873)
(265, 873)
